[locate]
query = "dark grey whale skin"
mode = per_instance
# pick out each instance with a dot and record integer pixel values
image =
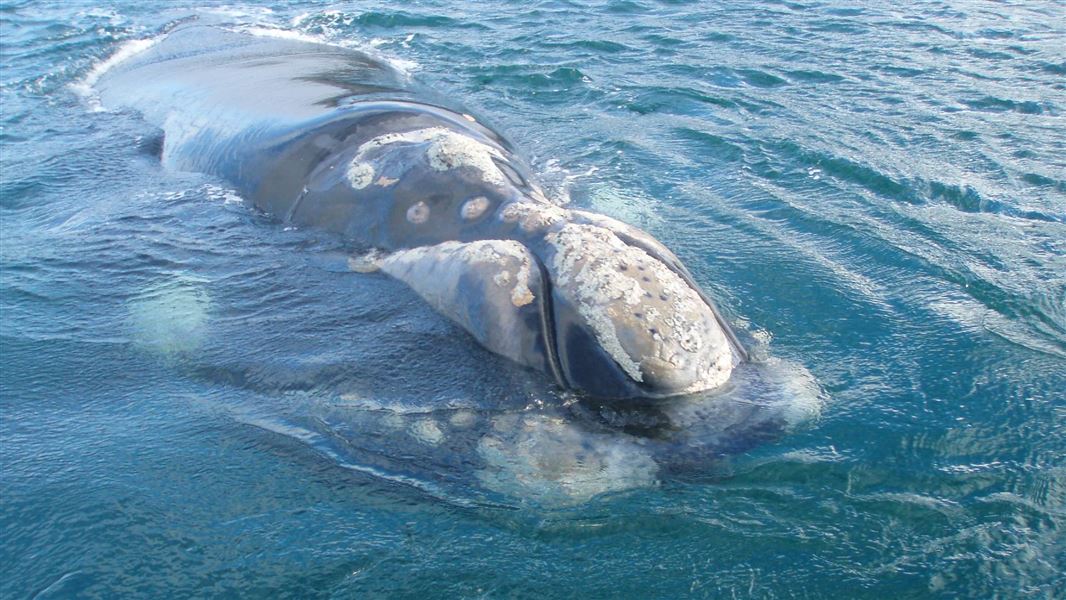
(281, 120)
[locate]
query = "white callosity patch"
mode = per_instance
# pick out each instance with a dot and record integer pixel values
(474, 208)
(443, 275)
(445, 149)
(427, 431)
(462, 419)
(418, 213)
(366, 263)
(551, 461)
(644, 315)
(533, 217)
(360, 174)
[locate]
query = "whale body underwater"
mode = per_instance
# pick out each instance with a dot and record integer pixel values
(324, 137)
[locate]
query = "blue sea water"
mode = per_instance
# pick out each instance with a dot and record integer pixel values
(195, 403)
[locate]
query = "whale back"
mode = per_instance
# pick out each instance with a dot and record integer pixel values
(281, 120)
(230, 78)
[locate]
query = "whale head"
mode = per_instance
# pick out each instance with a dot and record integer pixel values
(600, 305)
(626, 324)
(628, 319)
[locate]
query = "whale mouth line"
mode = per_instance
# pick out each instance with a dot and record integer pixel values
(547, 325)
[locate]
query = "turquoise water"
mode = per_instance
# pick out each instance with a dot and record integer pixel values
(196, 403)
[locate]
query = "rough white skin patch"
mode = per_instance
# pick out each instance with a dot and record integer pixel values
(642, 313)
(463, 418)
(365, 263)
(360, 174)
(533, 217)
(474, 208)
(445, 150)
(427, 431)
(418, 213)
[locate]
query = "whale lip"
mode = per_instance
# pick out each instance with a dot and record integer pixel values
(547, 323)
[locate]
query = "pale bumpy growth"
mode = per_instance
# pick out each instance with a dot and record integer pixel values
(445, 150)
(642, 313)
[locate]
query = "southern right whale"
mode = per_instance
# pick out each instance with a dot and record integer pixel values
(330, 138)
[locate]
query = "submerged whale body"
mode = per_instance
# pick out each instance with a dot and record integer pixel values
(329, 138)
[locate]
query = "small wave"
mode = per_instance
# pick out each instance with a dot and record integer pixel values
(126, 50)
(974, 315)
(681, 101)
(814, 76)
(1053, 68)
(232, 12)
(560, 79)
(627, 7)
(713, 147)
(966, 199)
(761, 79)
(332, 21)
(1042, 181)
(329, 35)
(595, 46)
(998, 105)
(909, 190)
(848, 170)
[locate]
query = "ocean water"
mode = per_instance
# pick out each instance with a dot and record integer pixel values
(196, 402)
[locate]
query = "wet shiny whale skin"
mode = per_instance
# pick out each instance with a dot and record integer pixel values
(326, 137)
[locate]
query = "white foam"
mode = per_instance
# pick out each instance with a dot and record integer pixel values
(284, 34)
(227, 196)
(426, 431)
(237, 12)
(802, 400)
(127, 50)
(404, 66)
